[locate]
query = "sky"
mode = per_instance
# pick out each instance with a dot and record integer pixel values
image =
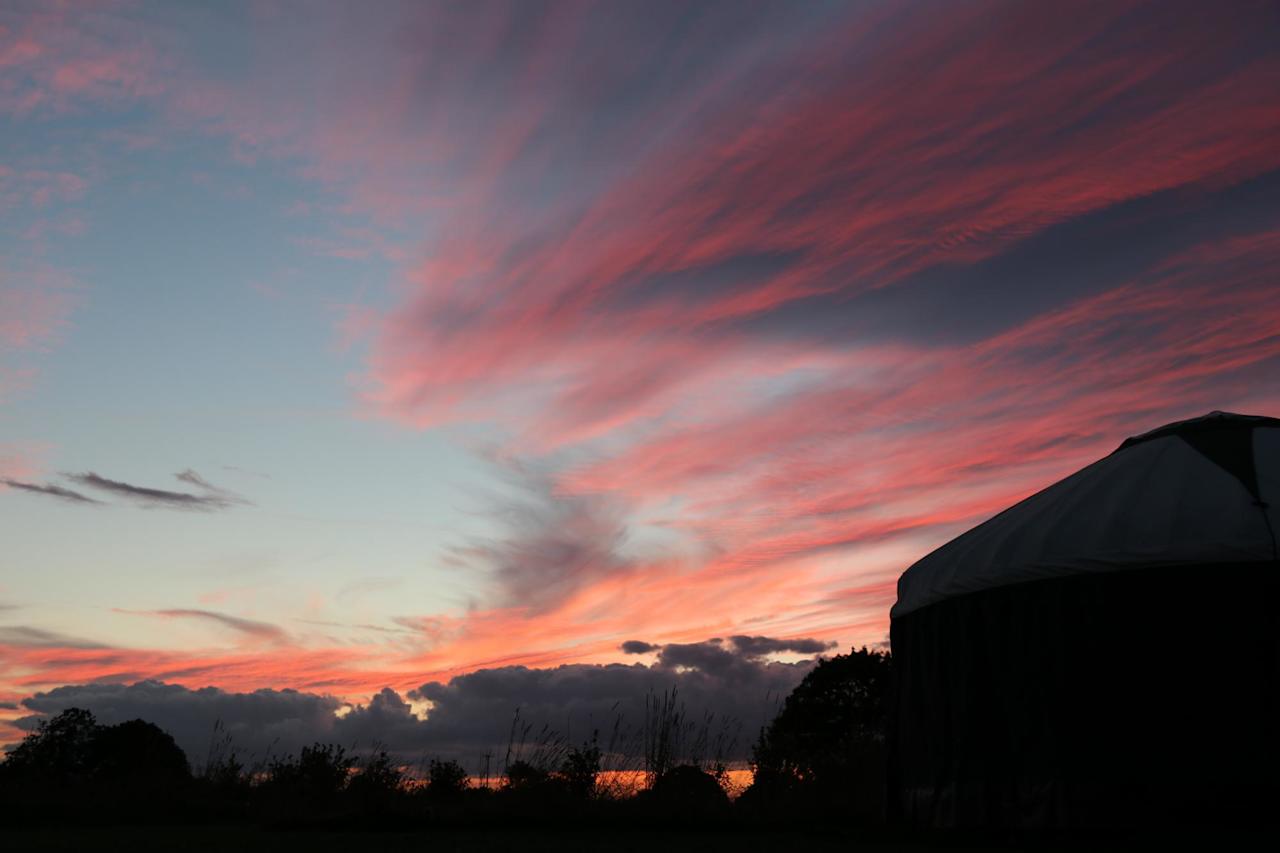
(369, 370)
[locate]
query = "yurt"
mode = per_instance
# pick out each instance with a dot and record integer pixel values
(1104, 652)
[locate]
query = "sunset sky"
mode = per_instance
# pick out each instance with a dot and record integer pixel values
(355, 348)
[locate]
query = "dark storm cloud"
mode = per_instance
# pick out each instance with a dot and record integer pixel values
(51, 490)
(761, 646)
(470, 715)
(275, 720)
(707, 656)
(214, 498)
(713, 653)
(388, 722)
(476, 710)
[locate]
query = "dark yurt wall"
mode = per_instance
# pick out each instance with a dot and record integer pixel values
(1104, 652)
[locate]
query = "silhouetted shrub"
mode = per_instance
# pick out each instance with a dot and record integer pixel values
(137, 753)
(671, 738)
(225, 774)
(522, 775)
(59, 750)
(73, 767)
(688, 792)
(446, 780)
(580, 768)
(377, 787)
(826, 748)
(304, 787)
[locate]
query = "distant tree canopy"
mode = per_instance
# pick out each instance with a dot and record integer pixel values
(73, 747)
(829, 737)
(314, 779)
(446, 779)
(821, 757)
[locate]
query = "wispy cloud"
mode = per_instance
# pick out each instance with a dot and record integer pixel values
(780, 297)
(190, 476)
(361, 626)
(53, 491)
(39, 638)
(213, 498)
(248, 627)
(550, 544)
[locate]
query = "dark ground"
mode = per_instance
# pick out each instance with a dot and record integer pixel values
(248, 840)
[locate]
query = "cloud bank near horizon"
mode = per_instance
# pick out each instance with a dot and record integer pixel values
(469, 715)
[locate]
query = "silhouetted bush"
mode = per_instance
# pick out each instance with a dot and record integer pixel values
(378, 787)
(72, 749)
(580, 769)
(58, 751)
(71, 765)
(446, 780)
(298, 788)
(672, 739)
(826, 749)
(137, 753)
(688, 792)
(521, 775)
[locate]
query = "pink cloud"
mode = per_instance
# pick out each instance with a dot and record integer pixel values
(613, 289)
(862, 178)
(33, 306)
(55, 58)
(590, 326)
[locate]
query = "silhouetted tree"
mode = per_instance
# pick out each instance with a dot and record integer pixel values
(59, 750)
(377, 786)
(71, 765)
(305, 787)
(446, 779)
(828, 742)
(73, 748)
(139, 753)
(687, 791)
(522, 775)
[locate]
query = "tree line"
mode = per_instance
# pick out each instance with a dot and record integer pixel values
(822, 756)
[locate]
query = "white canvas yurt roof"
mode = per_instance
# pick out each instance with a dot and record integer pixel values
(1200, 491)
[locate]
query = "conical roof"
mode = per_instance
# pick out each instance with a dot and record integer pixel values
(1199, 491)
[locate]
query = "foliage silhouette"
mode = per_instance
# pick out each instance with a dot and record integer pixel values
(521, 775)
(826, 749)
(311, 783)
(73, 768)
(378, 786)
(686, 791)
(57, 751)
(446, 780)
(581, 768)
(137, 754)
(72, 764)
